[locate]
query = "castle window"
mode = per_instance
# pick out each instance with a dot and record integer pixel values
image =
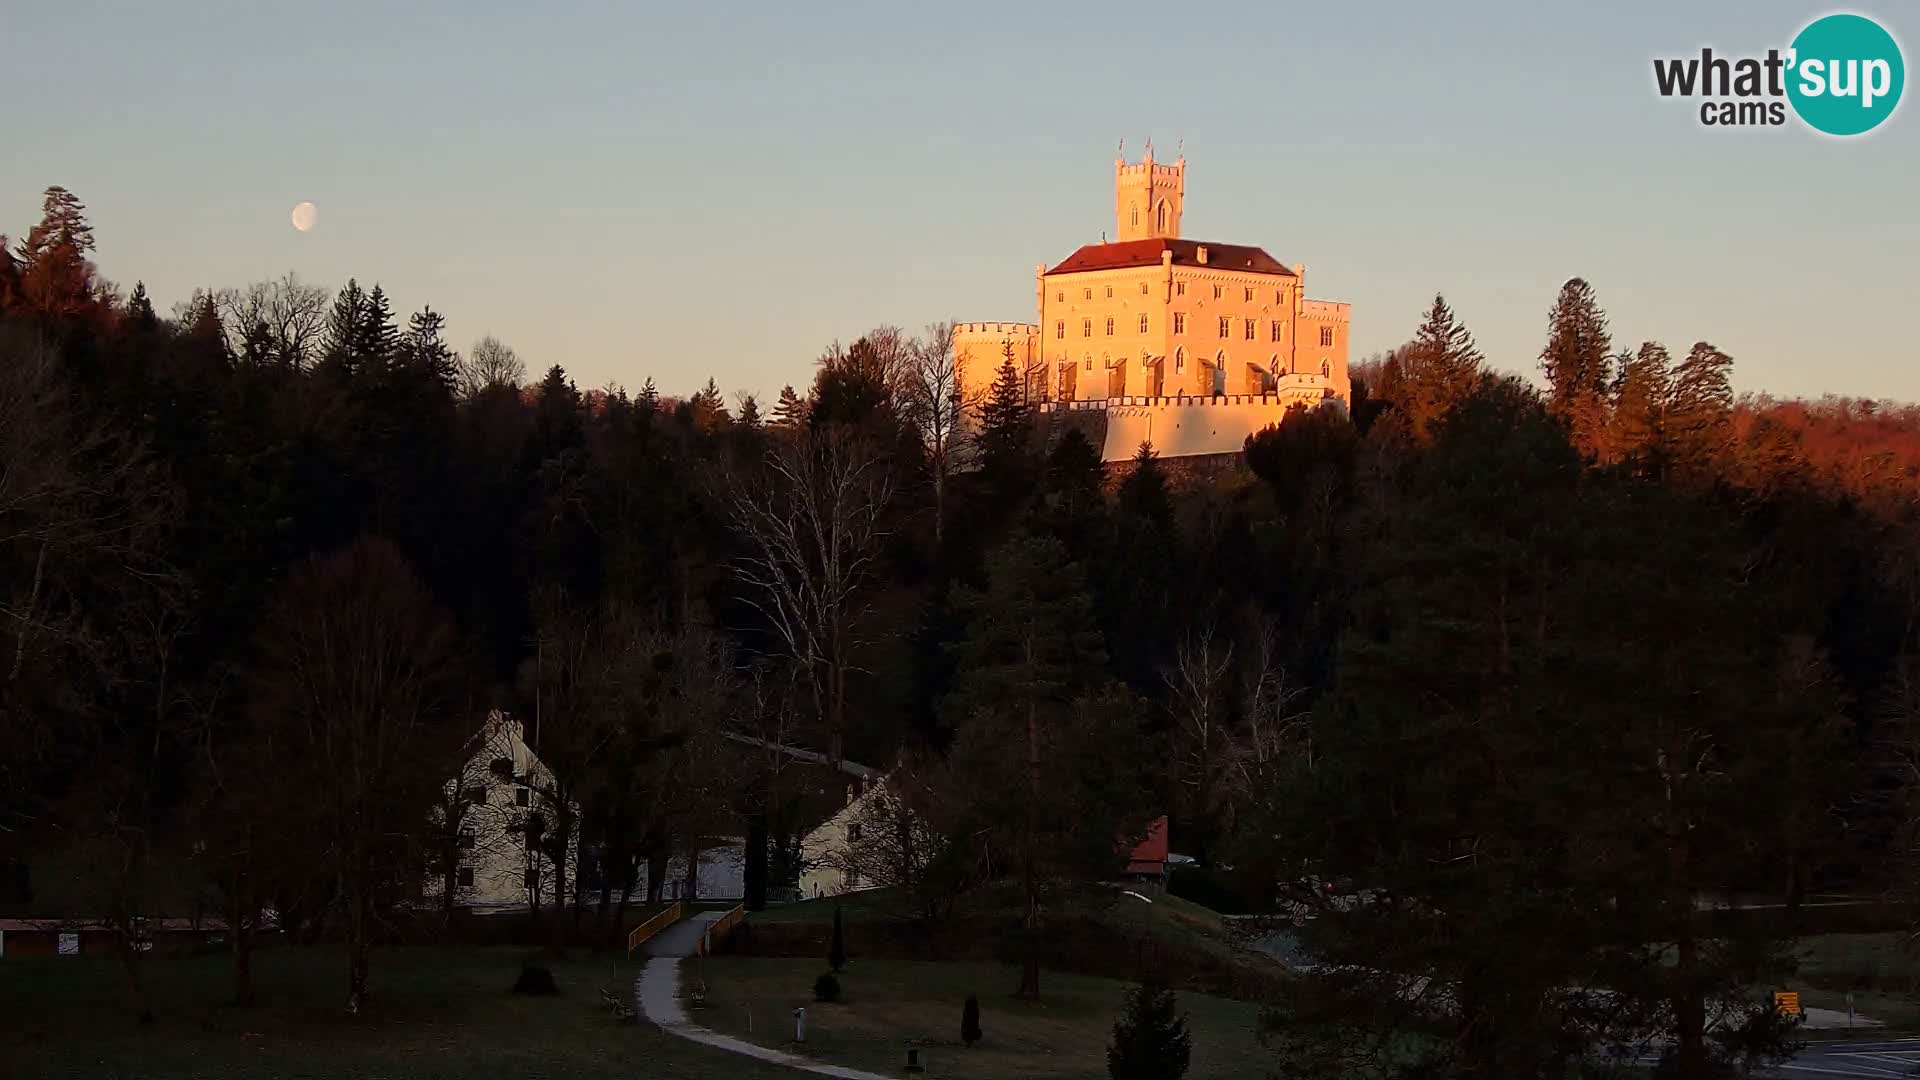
(1109, 292)
(1089, 361)
(1247, 331)
(1060, 328)
(1109, 326)
(1179, 322)
(1143, 322)
(1060, 295)
(1276, 296)
(1326, 337)
(1134, 218)
(1248, 295)
(1163, 218)
(1179, 359)
(1086, 294)
(1179, 288)
(1226, 326)
(1274, 331)
(1326, 369)
(1086, 327)
(1216, 292)
(1143, 288)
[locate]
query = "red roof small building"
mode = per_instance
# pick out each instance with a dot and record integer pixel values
(1149, 856)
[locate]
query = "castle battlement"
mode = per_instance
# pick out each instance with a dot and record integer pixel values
(995, 328)
(1326, 310)
(1148, 168)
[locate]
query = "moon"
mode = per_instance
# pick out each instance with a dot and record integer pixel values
(304, 216)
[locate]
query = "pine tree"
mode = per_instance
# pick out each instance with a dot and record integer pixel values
(749, 412)
(790, 412)
(55, 276)
(1699, 409)
(343, 330)
(970, 1020)
(140, 314)
(649, 400)
(1144, 492)
(426, 349)
(1006, 433)
(837, 948)
(377, 339)
(1576, 363)
(1437, 371)
(1150, 1040)
(203, 329)
(1640, 402)
(709, 408)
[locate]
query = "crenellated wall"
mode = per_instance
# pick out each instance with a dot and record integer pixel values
(1190, 426)
(979, 347)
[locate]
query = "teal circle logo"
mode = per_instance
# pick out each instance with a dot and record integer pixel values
(1845, 74)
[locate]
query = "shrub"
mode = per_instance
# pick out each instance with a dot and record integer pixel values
(826, 987)
(1150, 1040)
(535, 979)
(970, 1020)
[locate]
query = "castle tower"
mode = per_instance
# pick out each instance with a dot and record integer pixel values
(1147, 197)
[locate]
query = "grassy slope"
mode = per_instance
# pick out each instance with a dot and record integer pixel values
(1883, 977)
(892, 1005)
(436, 1013)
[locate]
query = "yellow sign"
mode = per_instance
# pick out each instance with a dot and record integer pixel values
(1787, 1002)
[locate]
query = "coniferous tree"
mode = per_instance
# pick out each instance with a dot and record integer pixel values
(1006, 433)
(140, 314)
(649, 400)
(790, 411)
(344, 331)
(970, 1021)
(749, 412)
(1640, 402)
(1150, 1040)
(1576, 362)
(426, 348)
(377, 338)
(1144, 492)
(56, 279)
(1699, 410)
(1437, 370)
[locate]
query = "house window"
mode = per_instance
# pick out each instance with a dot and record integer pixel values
(466, 840)
(1086, 294)
(1109, 292)
(1086, 327)
(1179, 322)
(477, 795)
(1060, 329)
(1326, 337)
(1248, 295)
(1247, 330)
(853, 877)
(1274, 331)
(1143, 322)
(1216, 292)
(853, 832)
(466, 877)
(522, 797)
(1179, 288)
(1226, 326)
(1109, 326)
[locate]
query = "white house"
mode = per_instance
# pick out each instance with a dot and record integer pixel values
(493, 795)
(828, 871)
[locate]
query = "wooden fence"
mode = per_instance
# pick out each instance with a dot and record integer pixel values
(660, 921)
(718, 930)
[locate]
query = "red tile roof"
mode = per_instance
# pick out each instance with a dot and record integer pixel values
(1128, 253)
(1150, 855)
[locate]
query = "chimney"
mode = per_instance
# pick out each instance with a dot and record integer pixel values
(1201, 255)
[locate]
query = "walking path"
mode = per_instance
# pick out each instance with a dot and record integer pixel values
(657, 994)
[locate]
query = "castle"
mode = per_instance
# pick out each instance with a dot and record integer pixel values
(1189, 345)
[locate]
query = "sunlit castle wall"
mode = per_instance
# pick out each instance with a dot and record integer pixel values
(979, 348)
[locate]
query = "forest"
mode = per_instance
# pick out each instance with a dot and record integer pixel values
(1529, 666)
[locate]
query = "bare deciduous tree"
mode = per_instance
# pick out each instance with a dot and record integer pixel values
(936, 407)
(811, 520)
(359, 681)
(491, 364)
(293, 313)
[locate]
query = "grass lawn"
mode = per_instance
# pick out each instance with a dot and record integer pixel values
(1883, 976)
(436, 1012)
(892, 1005)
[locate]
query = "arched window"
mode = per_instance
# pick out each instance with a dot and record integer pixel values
(1179, 359)
(1160, 218)
(1220, 373)
(1326, 369)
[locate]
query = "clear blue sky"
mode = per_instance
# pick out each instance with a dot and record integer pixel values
(690, 189)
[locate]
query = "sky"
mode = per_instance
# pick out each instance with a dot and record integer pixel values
(694, 190)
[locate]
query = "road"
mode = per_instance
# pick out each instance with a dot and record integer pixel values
(1841, 1059)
